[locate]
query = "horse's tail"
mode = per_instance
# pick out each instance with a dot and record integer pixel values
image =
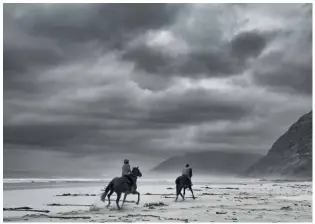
(108, 188)
(177, 181)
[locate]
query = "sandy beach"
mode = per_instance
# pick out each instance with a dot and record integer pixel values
(235, 201)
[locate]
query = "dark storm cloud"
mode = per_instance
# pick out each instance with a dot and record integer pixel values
(288, 67)
(288, 70)
(40, 36)
(23, 51)
(150, 60)
(288, 77)
(40, 135)
(18, 60)
(197, 106)
(226, 60)
(113, 23)
(118, 121)
(248, 44)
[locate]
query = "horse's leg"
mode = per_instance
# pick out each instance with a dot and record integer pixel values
(192, 192)
(177, 192)
(180, 193)
(108, 196)
(184, 191)
(136, 192)
(117, 199)
(125, 196)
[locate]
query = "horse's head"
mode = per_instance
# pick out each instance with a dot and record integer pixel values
(136, 171)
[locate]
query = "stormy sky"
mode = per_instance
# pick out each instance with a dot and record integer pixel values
(88, 85)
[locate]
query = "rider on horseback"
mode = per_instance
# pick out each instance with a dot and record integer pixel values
(187, 172)
(126, 171)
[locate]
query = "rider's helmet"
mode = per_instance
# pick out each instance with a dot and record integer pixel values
(126, 161)
(187, 165)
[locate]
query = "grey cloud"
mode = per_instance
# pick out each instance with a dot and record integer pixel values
(288, 67)
(234, 134)
(114, 23)
(118, 121)
(228, 59)
(148, 59)
(248, 44)
(40, 135)
(288, 77)
(196, 106)
(287, 70)
(41, 36)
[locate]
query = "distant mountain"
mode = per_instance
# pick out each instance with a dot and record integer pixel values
(211, 162)
(291, 155)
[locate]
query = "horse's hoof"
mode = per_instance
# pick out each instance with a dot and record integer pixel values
(137, 203)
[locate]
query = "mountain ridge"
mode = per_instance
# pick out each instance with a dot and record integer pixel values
(211, 162)
(290, 155)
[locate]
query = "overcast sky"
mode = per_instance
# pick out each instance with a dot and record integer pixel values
(87, 85)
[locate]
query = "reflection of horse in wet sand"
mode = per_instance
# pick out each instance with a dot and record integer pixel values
(121, 185)
(182, 182)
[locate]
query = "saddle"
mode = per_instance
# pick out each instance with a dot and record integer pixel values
(129, 179)
(187, 182)
(131, 182)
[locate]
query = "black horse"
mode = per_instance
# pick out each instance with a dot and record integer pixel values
(121, 185)
(182, 182)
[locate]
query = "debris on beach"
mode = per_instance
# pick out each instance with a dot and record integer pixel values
(140, 215)
(288, 208)
(233, 219)
(57, 217)
(32, 216)
(25, 209)
(177, 219)
(175, 197)
(169, 188)
(68, 194)
(55, 204)
(221, 213)
(159, 194)
(230, 188)
(69, 217)
(246, 197)
(214, 194)
(154, 204)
